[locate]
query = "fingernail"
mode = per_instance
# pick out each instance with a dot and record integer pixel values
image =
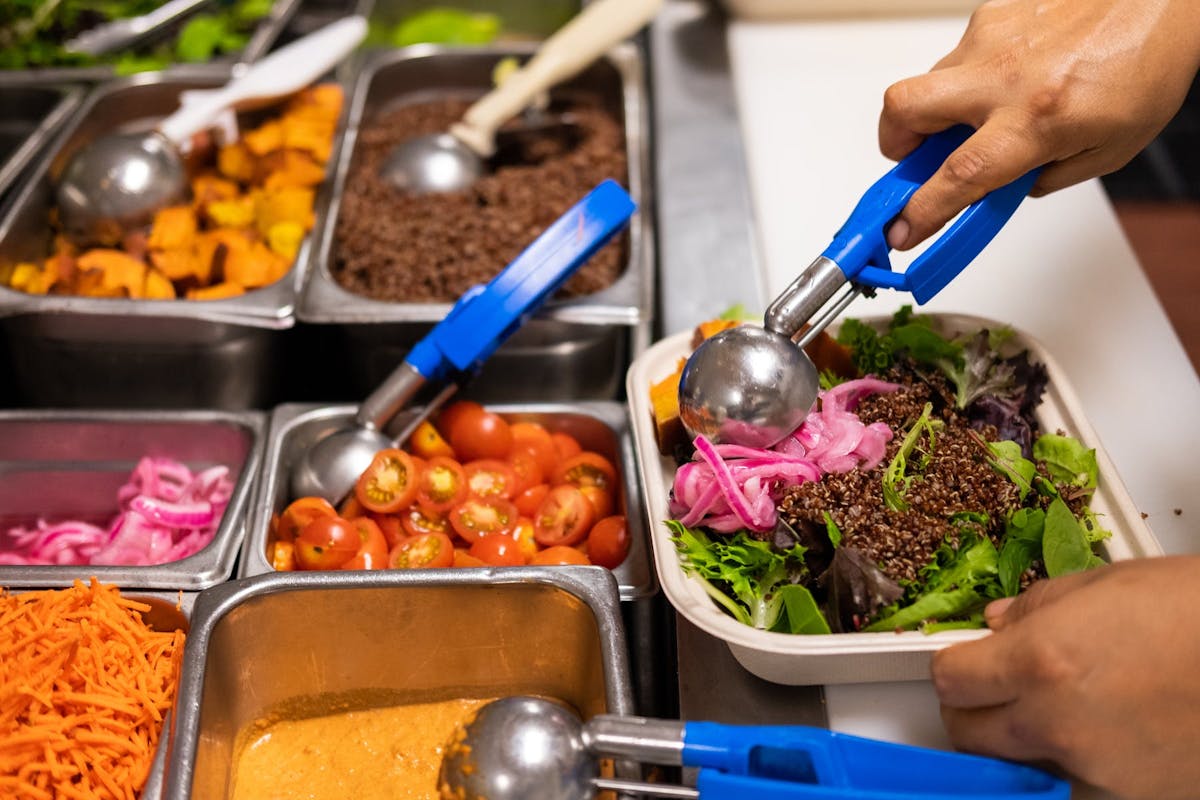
(897, 235)
(995, 609)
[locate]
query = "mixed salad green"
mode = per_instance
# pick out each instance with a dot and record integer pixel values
(775, 574)
(33, 32)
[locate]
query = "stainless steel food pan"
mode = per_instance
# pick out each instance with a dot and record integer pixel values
(60, 465)
(31, 116)
(407, 636)
(93, 352)
(390, 78)
(266, 31)
(599, 426)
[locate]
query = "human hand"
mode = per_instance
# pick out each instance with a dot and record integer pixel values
(1080, 87)
(1097, 672)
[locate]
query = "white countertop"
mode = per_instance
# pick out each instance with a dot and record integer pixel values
(809, 95)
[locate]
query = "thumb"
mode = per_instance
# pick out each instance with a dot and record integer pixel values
(1004, 612)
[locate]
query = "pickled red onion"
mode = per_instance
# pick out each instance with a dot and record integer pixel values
(167, 513)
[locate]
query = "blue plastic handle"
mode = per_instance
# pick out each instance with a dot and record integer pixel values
(486, 316)
(860, 248)
(769, 762)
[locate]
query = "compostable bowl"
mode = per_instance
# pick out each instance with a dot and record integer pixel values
(410, 636)
(851, 657)
(70, 351)
(599, 426)
(573, 348)
(62, 465)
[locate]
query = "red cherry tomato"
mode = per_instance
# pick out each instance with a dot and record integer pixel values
(564, 517)
(490, 477)
(477, 434)
(527, 469)
(351, 508)
(601, 500)
(522, 532)
(464, 559)
(608, 542)
(565, 445)
(427, 551)
(389, 524)
(498, 550)
(427, 442)
(527, 502)
(536, 440)
(442, 486)
(300, 513)
(417, 521)
(283, 556)
(389, 484)
(587, 469)
(482, 516)
(373, 552)
(326, 543)
(451, 413)
(559, 554)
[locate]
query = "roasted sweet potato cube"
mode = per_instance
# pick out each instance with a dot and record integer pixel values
(235, 161)
(287, 168)
(265, 138)
(184, 265)
(217, 291)
(158, 287)
(174, 228)
(236, 212)
(208, 186)
(29, 278)
(291, 204)
(285, 239)
(120, 272)
(312, 136)
(664, 403)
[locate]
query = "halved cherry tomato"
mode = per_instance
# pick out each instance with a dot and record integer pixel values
(427, 551)
(522, 532)
(442, 486)
(490, 477)
(464, 559)
(326, 543)
(417, 521)
(451, 413)
(527, 502)
(608, 542)
(351, 508)
(566, 445)
(300, 513)
(527, 469)
(559, 554)
(482, 516)
(283, 556)
(587, 469)
(498, 550)
(427, 442)
(537, 441)
(389, 483)
(564, 517)
(477, 434)
(373, 552)
(392, 528)
(601, 499)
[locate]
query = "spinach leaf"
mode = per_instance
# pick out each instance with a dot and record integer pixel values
(1022, 545)
(1068, 461)
(1064, 542)
(1008, 461)
(803, 615)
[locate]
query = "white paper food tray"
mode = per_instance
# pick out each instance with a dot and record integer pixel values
(768, 10)
(851, 657)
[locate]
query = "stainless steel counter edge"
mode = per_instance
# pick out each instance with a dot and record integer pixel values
(708, 260)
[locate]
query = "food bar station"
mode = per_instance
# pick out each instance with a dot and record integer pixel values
(382, 393)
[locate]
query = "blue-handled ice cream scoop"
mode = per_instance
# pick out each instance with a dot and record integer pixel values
(478, 323)
(532, 748)
(754, 386)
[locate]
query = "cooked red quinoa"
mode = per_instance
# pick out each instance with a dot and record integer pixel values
(390, 245)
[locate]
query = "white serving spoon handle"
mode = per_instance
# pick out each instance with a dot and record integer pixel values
(287, 70)
(586, 37)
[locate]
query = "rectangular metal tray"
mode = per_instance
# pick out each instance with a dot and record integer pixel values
(87, 351)
(31, 116)
(851, 657)
(260, 642)
(599, 426)
(588, 340)
(60, 465)
(261, 41)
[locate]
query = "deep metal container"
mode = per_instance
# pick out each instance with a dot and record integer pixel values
(414, 635)
(602, 427)
(31, 116)
(572, 349)
(58, 465)
(71, 351)
(263, 38)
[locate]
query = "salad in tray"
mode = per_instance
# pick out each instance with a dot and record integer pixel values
(918, 489)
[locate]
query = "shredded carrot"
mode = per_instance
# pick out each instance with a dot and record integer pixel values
(84, 684)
